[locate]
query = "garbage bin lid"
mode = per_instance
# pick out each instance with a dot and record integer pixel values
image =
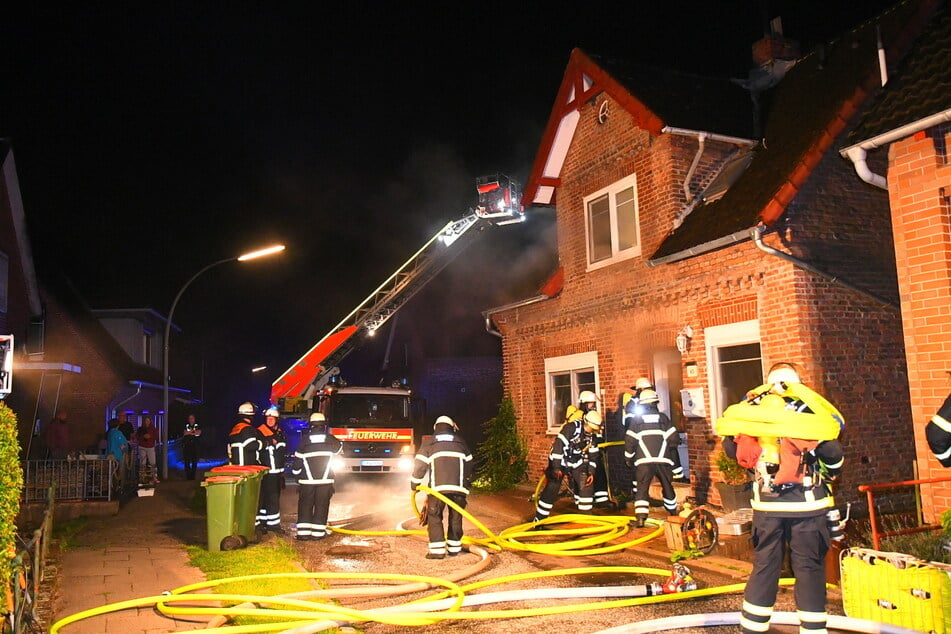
(221, 479)
(238, 468)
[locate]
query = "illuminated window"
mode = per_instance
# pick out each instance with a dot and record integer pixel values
(611, 223)
(566, 377)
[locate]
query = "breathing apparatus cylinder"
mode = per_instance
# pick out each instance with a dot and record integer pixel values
(836, 525)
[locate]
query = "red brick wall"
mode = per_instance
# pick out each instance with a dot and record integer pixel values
(85, 396)
(629, 310)
(919, 184)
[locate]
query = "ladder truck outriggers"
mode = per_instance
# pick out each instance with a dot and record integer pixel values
(378, 425)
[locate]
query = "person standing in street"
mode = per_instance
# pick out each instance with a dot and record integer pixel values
(244, 441)
(792, 500)
(313, 467)
(647, 443)
(58, 442)
(272, 457)
(146, 436)
(444, 464)
(191, 445)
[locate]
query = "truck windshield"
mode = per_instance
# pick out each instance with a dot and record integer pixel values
(368, 411)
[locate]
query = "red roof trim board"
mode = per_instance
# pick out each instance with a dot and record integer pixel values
(583, 80)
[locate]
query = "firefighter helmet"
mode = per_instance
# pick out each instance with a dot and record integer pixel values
(445, 420)
(648, 396)
(246, 409)
(593, 419)
(587, 396)
(272, 412)
(783, 373)
(317, 419)
(643, 383)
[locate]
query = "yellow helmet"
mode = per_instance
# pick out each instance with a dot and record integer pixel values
(783, 373)
(593, 419)
(649, 396)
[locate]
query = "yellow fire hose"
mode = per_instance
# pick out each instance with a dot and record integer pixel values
(299, 615)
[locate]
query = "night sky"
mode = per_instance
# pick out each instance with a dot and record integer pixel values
(154, 138)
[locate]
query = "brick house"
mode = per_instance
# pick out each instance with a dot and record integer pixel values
(911, 119)
(703, 236)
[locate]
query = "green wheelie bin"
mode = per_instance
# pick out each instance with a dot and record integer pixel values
(247, 503)
(221, 491)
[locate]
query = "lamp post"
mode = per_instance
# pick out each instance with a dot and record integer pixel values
(168, 331)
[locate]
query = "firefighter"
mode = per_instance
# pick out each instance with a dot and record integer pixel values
(444, 464)
(272, 456)
(938, 433)
(639, 386)
(313, 466)
(788, 511)
(244, 441)
(647, 441)
(587, 402)
(574, 453)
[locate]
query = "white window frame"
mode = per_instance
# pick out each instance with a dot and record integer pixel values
(574, 363)
(718, 337)
(617, 254)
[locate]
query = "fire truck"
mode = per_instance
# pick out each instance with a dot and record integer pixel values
(380, 426)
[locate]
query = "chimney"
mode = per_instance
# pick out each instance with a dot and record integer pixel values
(774, 47)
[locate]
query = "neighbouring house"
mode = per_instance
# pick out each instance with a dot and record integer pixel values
(706, 230)
(911, 120)
(67, 357)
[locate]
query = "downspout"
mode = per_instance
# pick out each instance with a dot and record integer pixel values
(111, 412)
(858, 155)
(757, 234)
(701, 141)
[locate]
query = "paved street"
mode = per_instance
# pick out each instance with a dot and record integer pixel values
(91, 572)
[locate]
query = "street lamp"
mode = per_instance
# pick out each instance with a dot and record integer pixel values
(168, 331)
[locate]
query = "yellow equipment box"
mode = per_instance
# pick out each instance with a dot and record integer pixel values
(897, 589)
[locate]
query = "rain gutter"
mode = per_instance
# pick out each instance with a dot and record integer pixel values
(858, 153)
(700, 249)
(487, 314)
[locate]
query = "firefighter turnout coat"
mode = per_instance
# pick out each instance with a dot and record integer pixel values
(649, 442)
(244, 444)
(313, 466)
(443, 463)
(272, 456)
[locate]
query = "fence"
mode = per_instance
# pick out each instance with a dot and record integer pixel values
(28, 572)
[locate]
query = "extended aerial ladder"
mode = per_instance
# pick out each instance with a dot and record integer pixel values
(499, 204)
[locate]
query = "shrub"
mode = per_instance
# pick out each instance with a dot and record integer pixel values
(503, 454)
(11, 485)
(730, 469)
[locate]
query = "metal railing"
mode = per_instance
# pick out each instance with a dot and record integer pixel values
(82, 479)
(28, 569)
(869, 490)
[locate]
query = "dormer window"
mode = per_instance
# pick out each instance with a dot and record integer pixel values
(611, 223)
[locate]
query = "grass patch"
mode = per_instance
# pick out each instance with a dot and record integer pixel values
(273, 556)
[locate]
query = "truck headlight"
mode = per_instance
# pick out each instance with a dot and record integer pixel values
(405, 464)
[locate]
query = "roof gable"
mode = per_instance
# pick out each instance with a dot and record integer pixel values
(652, 97)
